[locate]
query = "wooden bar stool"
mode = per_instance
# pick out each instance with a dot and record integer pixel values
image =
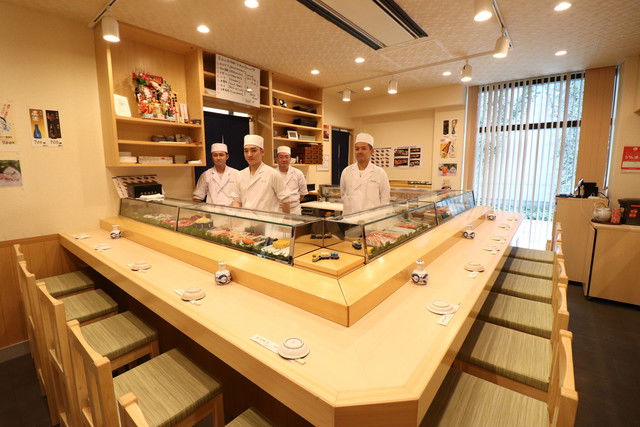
(122, 338)
(466, 400)
(68, 283)
(250, 418)
(525, 267)
(531, 254)
(26, 307)
(511, 358)
(167, 390)
(532, 288)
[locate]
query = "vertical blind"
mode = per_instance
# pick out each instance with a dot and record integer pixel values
(527, 143)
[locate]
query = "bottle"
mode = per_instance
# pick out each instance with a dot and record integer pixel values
(419, 276)
(223, 275)
(36, 132)
(116, 233)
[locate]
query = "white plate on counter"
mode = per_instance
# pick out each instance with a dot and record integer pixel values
(441, 307)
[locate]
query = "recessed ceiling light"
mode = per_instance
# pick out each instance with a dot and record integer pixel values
(561, 53)
(483, 10)
(203, 29)
(366, 88)
(446, 73)
(563, 5)
(359, 60)
(252, 4)
(315, 72)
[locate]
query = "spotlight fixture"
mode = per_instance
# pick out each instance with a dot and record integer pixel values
(203, 29)
(465, 74)
(483, 10)
(502, 47)
(315, 72)
(359, 60)
(251, 4)
(110, 29)
(563, 5)
(392, 87)
(366, 88)
(560, 53)
(346, 95)
(446, 73)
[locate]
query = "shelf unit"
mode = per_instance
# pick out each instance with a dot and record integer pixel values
(177, 62)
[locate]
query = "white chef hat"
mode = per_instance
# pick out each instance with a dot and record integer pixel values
(364, 137)
(256, 140)
(218, 146)
(284, 149)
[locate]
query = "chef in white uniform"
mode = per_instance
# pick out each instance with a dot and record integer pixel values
(294, 182)
(363, 185)
(260, 186)
(218, 184)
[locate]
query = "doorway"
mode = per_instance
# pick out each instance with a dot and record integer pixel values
(233, 128)
(339, 153)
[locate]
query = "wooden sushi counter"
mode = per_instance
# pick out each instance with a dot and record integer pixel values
(383, 369)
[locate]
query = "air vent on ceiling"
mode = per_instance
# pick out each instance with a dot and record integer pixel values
(377, 23)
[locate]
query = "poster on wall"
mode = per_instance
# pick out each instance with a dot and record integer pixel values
(401, 157)
(447, 169)
(237, 82)
(7, 137)
(630, 159)
(415, 157)
(49, 135)
(448, 147)
(382, 157)
(10, 173)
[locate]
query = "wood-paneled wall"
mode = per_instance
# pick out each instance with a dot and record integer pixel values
(593, 150)
(45, 257)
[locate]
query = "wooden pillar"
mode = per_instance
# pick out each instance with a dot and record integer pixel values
(470, 139)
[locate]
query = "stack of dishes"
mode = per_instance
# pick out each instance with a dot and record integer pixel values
(192, 294)
(139, 265)
(293, 348)
(441, 307)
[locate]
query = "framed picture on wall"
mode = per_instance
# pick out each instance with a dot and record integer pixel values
(292, 134)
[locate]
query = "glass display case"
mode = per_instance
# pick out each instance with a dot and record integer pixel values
(375, 231)
(330, 193)
(399, 194)
(163, 213)
(271, 235)
(454, 203)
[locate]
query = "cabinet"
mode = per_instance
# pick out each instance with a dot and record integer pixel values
(175, 61)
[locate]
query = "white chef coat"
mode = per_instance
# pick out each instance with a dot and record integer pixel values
(363, 189)
(219, 189)
(295, 185)
(263, 191)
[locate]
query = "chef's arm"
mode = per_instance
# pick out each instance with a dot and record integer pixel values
(385, 190)
(195, 199)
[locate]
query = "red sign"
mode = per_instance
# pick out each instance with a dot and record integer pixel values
(631, 158)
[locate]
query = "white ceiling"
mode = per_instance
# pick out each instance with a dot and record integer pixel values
(285, 36)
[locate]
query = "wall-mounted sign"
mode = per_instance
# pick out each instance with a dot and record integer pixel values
(237, 82)
(631, 159)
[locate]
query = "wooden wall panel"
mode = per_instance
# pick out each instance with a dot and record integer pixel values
(45, 257)
(593, 149)
(470, 139)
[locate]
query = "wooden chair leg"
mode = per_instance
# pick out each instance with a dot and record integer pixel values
(218, 411)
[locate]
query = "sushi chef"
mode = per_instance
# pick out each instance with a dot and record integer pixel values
(218, 184)
(363, 185)
(260, 186)
(294, 182)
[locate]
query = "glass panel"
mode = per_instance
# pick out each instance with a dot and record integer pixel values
(163, 213)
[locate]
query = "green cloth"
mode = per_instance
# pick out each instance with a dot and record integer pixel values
(88, 305)
(67, 283)
(528, 268)
(168, 387)
(521, 314)
(513, 354)
(249, 418)
(531, 254)
(118, 335)
(517, 285)
(467, 401)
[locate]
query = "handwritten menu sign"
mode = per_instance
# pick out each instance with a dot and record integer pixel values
(237, 82)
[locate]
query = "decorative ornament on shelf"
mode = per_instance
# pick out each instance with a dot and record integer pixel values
(155, 97)
(223, 275)
(419, 276)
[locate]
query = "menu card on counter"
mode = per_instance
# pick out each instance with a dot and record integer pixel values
(237, 82)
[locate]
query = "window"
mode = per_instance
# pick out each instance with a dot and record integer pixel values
(527, 143)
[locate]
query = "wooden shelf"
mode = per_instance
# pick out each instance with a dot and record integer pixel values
(209, 74)
(152, 122)
(158, 144)
(265, 106)
(293, 96)
(291, 125)
(293, 112)
(279, 138)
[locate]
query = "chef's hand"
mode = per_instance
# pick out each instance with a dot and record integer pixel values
(285, 207)
(236, 204)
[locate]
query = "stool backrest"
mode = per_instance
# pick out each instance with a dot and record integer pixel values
(94, 393)
(559, 275)
(563, 398)
(560, 311)
(56, 345)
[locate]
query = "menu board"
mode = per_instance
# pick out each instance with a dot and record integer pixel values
(237, 82)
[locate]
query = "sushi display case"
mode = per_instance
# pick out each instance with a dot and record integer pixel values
(163, 213)
(272, 235)
(454, 203)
